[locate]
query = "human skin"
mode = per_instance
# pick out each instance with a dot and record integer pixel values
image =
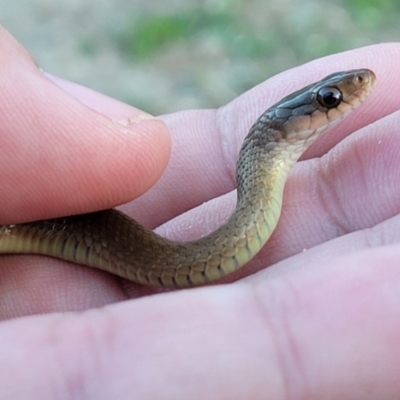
(317, 324)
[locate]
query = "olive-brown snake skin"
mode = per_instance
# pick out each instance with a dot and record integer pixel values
(111, 241)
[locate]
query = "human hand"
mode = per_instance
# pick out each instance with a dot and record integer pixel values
(321, 324)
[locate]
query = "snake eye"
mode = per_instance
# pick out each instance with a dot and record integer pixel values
(329, 96)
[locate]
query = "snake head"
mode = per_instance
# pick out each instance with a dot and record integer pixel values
(310, 111)
(290, 126)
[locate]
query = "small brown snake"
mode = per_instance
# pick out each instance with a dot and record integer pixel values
(113, 242)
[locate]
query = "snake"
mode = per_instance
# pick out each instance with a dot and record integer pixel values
(110, 240)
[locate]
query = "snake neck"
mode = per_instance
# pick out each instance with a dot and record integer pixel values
(264, 164)
(262, 167)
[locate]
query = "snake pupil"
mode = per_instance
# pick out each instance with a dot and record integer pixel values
(329, 96)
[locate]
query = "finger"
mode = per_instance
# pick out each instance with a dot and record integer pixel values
(353, 187)
(386, 233)
(40, 285)
(99, 102)
(60, 156)
(288, 338)
(206, 143)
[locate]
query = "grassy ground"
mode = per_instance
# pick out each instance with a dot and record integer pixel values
(165, 56)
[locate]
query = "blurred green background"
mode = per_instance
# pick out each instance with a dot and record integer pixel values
(163, 56)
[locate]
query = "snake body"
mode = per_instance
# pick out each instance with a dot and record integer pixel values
(111, 241)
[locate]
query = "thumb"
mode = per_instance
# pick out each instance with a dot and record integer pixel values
(66, 149)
